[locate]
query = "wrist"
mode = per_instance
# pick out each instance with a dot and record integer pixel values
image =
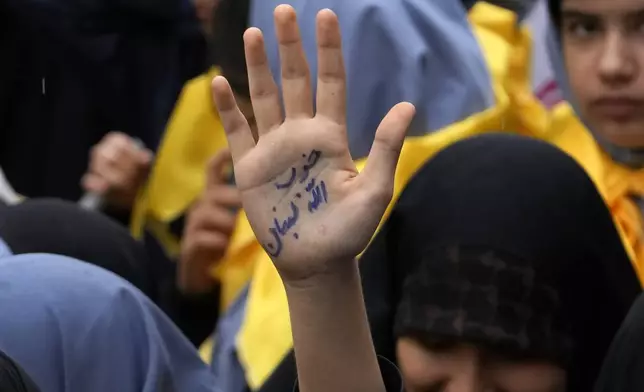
(335, 273)
(331, 331)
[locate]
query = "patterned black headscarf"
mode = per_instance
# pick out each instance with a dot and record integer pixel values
(487, 297)
(504, 241)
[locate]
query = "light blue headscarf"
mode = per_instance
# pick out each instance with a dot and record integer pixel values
(74, 327)
(422, 51)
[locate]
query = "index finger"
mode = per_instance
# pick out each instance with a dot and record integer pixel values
(331, 86)
(118, 138)
(216, 173)
(238, 133)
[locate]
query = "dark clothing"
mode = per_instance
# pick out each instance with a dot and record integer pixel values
(60, 227)
(554, 6)
(623, 369)
(390, 376)
(195, 315)
(74, 70)
(509, 201)
(519, 7)
(487, 297)
(13, 378)
(509, 244)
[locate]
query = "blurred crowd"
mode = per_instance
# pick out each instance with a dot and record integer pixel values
(328, 195)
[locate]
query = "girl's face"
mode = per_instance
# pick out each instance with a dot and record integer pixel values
(439, 366)
(603, 42)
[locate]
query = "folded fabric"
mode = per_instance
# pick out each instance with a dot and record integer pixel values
(78, 328)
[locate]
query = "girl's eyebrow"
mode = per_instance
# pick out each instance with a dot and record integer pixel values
(569, 12)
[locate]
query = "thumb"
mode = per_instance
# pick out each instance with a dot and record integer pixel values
(385, 150)
(144, 156)
(217, 166)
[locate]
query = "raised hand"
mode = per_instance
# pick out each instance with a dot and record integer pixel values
(308, 205)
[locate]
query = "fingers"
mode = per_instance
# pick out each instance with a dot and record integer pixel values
(225, 196)
(331, 85)
(385, 151)
(208, 220)
(199, 252)
(264, 93)
(238, 133)
(95, 184)
(127, 160)
(112, 179)
(205, 240)
(117, 161)
(211, 241)
(218, 193)
(296, 80)
(212, 218)
(119, 149)
(216, 173)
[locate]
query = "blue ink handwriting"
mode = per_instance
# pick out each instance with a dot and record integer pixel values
(310, 185)
(312, 160)
(289, 222)
(280, 229)
(318, 193)
(288, 183)
(274, 250)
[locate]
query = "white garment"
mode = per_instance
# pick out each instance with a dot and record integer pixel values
(544, 81)
(7, 194)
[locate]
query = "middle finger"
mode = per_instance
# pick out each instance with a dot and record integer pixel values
(120, 159)
(331, 91)
(296, 79)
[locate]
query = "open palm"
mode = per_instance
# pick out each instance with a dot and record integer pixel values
(302, 194)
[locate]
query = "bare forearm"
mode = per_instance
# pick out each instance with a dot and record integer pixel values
(333, 345)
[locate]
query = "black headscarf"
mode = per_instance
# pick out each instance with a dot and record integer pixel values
(554, 6)
(230, 21)
(59, 227)
(13, 378)
(623, 369)
(516, 228)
